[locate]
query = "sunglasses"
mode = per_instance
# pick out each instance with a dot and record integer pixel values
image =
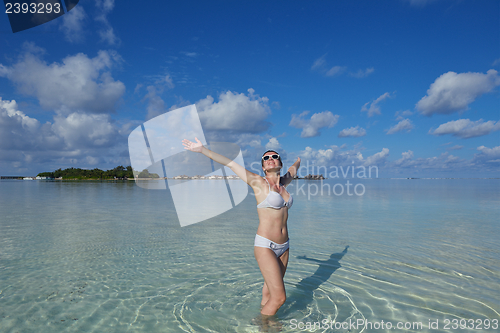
(274, 156)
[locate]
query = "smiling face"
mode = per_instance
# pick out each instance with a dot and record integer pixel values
(271, 163)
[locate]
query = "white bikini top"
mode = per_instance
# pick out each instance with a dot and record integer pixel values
(275, 200)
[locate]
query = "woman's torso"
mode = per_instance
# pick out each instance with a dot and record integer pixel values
(273, 221)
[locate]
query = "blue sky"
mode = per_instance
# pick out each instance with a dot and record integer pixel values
(411, 87)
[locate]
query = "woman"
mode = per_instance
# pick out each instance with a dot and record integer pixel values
(273, 202)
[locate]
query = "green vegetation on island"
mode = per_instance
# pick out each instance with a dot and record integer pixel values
(145, 174)
(119, 172)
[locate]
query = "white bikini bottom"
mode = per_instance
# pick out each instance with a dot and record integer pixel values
(278, 249)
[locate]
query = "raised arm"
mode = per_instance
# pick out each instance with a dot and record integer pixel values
(291, 173)
(197, 147)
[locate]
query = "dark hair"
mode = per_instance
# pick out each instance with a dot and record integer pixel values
(274, 151)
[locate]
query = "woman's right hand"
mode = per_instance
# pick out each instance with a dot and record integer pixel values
(193, 146)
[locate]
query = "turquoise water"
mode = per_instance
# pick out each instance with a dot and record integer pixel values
(95, 257)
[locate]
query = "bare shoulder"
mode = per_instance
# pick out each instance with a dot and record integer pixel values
(255, 180)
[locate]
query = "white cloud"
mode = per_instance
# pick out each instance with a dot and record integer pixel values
(310, 127)
(319, 63)
(400, 115)
(156, 105)
(273, 144)
(487, 158)
(403, 125)
(442, 162)
(335, 70)
(452, 92)
(78, 83)
(336, 156)
(17, 130)
(79, 137)
(72, 24)
(321, 66)
(168, 81)
(80, 130)
(331, 156)
(250, 140)
(377, 158)
(490, 153)
(235, 112)
(465, 128)
(406, 157)
(456, 147)
(354, 132)
(363, 73)
(107, 34)
(374, 107)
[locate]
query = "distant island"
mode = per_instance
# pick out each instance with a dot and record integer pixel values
(120, 172)
(124, 173)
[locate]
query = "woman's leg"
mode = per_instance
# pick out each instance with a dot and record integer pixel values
(272, 269)
(283, 264)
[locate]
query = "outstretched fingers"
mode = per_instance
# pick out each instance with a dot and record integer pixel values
(192, 146)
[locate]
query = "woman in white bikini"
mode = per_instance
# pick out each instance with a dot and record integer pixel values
(271, 242)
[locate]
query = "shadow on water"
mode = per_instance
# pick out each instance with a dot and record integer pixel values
(304, 292)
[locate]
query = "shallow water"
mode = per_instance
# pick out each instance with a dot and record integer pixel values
(94, 257)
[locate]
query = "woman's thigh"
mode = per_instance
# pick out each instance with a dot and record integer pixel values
(284, 262)
(272, 269)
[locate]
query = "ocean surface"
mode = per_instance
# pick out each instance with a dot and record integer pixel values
(422, 255)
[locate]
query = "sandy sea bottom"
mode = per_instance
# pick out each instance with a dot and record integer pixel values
(95, 257)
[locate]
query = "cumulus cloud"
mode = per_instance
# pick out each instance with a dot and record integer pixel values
(445, 161)
(78, 83)
(354, 132)
(452, 92)
(377, 158)
(465, 128)
(310, 127)
(273, 144)
(235, 112)
(76, 138)
(72, 24)
(80, 130)
(406, 158)
(17, 130)
(403, 125)
(323, 156)
(488, 155)
(373, 108)
(336, 156)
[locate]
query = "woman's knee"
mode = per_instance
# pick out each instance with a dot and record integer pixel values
(279, 298)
